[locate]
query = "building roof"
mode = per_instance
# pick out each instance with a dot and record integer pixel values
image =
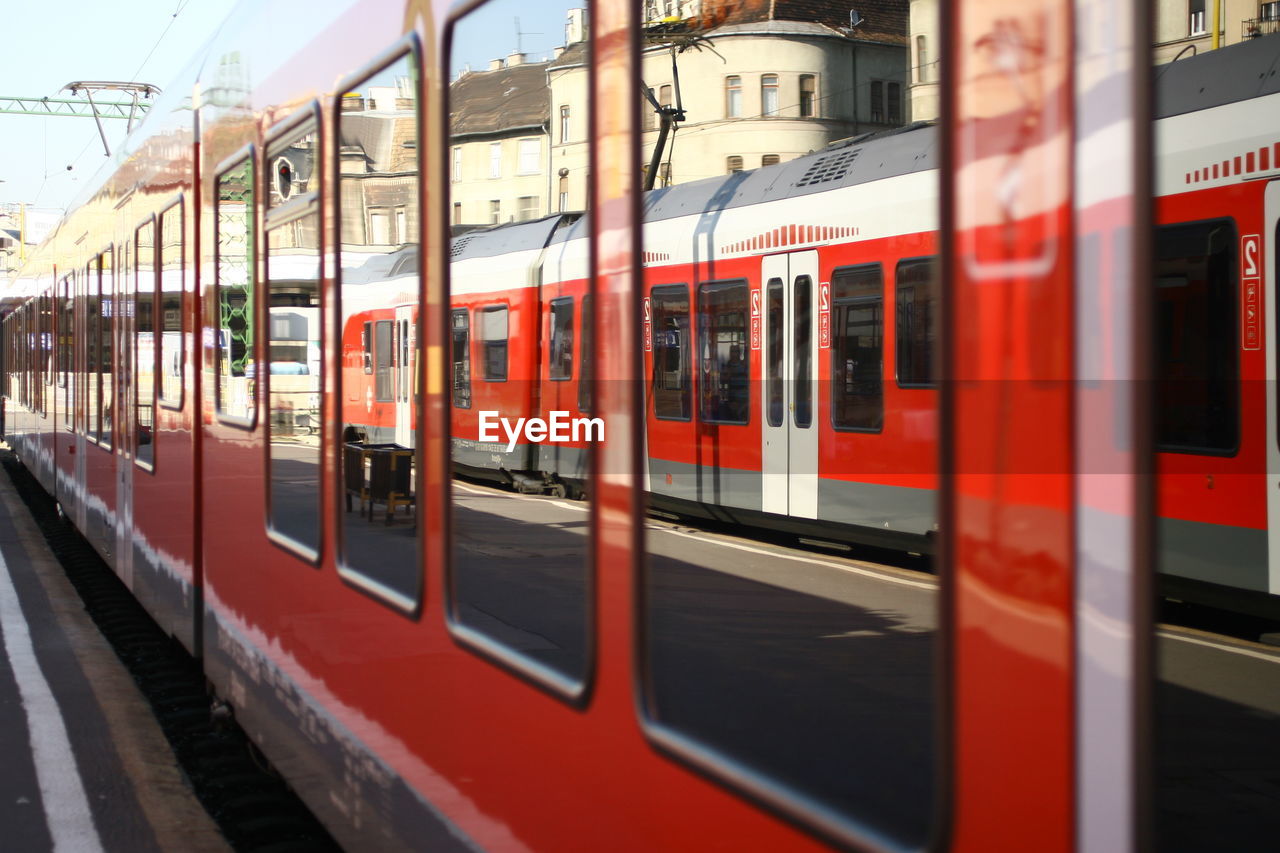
(493, 102)
(885, 21)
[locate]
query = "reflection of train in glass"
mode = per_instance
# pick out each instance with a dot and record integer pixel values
(786, 320)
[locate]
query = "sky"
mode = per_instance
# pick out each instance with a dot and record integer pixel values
(150, 41)
(137, 40)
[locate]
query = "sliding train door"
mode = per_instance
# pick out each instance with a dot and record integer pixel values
(404, 374)
(789, 400)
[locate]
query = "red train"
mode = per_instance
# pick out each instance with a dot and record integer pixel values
(260, 319)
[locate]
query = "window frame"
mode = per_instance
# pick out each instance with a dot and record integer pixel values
(152, 222)
(247, 154)
(733, 96)
(296, 208)
(559, 302)
(770, 89)
(898, 341)
(687, 371)
(178, 205)
(407, 50)
(705, 288)
(493, 308)
(813, 96)
(836, 333)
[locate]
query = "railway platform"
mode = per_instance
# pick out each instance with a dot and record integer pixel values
(86, 767)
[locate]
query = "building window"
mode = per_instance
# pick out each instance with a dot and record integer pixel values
(895, 103)
(457, 213)
(877, 100)
(495, 159)
(495, 212)
(664, 174)
(379, 227)
(1197, 23)
(528, 208)
(808, 100)
(664, 97)
(457, 164)
(922, 60)
(770, 160)
(530, 157)
(650, 114)
(564, 125)
(769, 94)
(1269, 11)
(564, 195)
(733, 97)
(733, 164)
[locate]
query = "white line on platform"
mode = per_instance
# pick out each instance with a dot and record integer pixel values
(844, 567)
(1235, 650)
(66, 807)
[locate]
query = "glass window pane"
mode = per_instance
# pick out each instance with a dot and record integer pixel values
(917, 322)
(775, 387)
(802, 341)
(561, 366)
(672, 352)
(106, 348)
(170, 319)
(144, 341)
(237, 382)
(724, 383)
(512, 289)
(857, 393)
(294, 364)
(1196, 338)
(381, 356)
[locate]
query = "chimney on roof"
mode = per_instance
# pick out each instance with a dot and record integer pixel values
(575, 29)
(556, 53)
(514, 59)
(495, 64)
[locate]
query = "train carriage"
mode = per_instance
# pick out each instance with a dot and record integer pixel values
(263, 313)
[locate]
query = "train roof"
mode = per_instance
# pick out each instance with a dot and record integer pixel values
(1216, 77)
(859, 160)
(515, 237)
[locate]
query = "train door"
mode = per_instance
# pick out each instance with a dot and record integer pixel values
(789, 400)
(1260, 259)
(404, 375)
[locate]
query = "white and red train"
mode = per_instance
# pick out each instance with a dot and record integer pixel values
(766, 354)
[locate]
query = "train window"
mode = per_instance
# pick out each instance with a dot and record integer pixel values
(144, 346)
(461, 348)
(378, 298)
(383, 355)
(235, 340)
(774, 351)
(66, 348)
(294, 369)
(92, 361)
(585, 388)
(1196, 319)
(106, 350)
(802, 306)
(724, 389)
(169, 319)
(493, 340)
(857, 356)
(561, 366)
(529, 610)
(669, 310)
(917, 309)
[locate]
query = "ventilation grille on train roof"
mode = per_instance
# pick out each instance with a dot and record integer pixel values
(830, 167)
(459, 244)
